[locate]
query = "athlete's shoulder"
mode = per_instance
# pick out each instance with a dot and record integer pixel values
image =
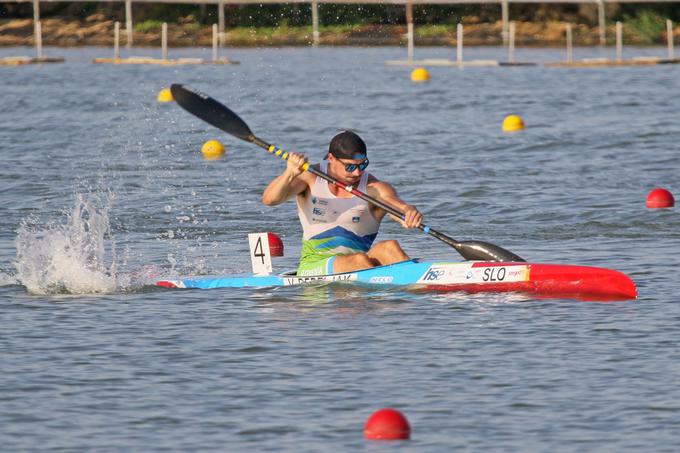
(373, 180)
(375, 183)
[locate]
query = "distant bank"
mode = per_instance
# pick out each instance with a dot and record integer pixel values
(96, 30)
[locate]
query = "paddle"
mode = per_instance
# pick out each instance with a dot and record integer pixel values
(211, 111)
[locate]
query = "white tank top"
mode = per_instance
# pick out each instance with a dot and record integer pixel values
(332, 225)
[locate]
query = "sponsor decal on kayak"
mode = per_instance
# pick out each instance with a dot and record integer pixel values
(289, 281)
(434, 274)
(467, 273)
(381, 279)
(446, 273)
(498, 274)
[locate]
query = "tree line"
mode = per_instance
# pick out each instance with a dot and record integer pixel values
(278, 15)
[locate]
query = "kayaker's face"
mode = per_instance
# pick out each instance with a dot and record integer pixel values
(349, 170)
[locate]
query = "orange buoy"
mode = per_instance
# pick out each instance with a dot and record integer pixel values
(660, 198)
(275, 244)
(387, 424)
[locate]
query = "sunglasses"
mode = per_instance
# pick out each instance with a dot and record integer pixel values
(349, 168)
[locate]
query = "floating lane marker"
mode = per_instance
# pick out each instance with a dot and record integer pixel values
(387, 424)
(212, 150)
(660, 198)
(513, 123)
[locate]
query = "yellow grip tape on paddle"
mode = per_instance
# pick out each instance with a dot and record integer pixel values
(279, 152)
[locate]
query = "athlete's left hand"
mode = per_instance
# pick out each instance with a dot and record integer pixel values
(412, 217)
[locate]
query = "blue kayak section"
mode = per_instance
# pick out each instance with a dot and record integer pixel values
(404, 273)
(235, 281)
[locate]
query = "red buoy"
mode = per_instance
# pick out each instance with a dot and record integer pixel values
(275, 244)
(387, 424)
(660, 198)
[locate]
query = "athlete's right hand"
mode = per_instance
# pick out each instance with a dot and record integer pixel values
(295, 163)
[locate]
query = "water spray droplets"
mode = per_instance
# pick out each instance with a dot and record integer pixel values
(68, 257)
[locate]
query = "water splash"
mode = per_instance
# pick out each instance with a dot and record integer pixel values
(70, 257)
(7, 279)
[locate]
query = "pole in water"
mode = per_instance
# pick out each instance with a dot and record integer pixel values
(619, 41)
(220, 20)
(315, 23)
(215, 54)
(601, 22)
(409, 30)
(505, 18)
(459, 44)
(570, 48)
(116, 40)
(669, 35)
(511, 43)
(38, 40)
(128, 23)
(164, 41)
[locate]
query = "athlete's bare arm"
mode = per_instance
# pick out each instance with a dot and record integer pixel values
(387, 194)
(293, 181)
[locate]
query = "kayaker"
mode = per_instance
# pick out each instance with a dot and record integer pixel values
(339, 228)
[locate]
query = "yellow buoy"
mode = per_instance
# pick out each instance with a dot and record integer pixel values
(165, 95)
(513, 123)
(212, 149)
(420, 75)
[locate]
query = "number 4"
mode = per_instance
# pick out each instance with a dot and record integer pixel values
(260, 255)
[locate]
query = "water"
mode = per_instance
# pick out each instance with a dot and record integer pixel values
(103, 191)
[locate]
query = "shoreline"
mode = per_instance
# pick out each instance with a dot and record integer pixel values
(97, 31)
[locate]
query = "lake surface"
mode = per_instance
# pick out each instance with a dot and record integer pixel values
(103, 191)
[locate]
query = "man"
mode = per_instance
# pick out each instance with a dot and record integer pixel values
(339, 228)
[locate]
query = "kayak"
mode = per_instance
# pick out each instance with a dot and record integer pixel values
(542, 280)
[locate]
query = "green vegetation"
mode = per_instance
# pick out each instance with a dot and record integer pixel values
(264, 33)
(149, 26)
(648, 25)
(191, 27)
(434, 31)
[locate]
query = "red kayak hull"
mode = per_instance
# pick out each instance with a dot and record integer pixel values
(556, 280)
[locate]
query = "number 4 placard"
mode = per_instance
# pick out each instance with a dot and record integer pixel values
(260, 256)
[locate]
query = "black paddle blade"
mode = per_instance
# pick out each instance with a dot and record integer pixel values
(211, 111)
(483, 251)
(476, 250)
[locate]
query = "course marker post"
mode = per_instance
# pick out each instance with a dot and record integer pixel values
(260, 255)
